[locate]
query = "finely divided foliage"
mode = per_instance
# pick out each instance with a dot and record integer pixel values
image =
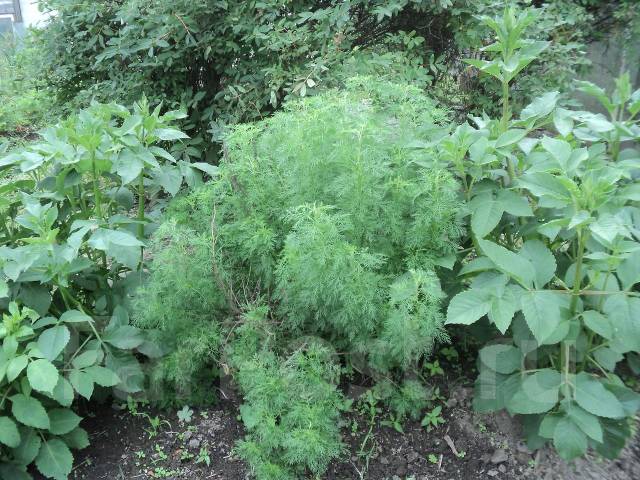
(554, 225)
(325, 228)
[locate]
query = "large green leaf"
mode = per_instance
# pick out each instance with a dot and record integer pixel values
(543, 184)
(77, 439)
(508, 262)
(591, 395)
(541, 309)
(9, 434)
(538, 393)
(486, 216)
(103, 376)
(569, 440)
(29, 446)
(540, 107)
(63, 421)
(541, 259)
(598, 323)
(16, 366)
(500, 358)
(75, 316)
(42, 375)
(504, 307)
(55, 459)
(82, 382)
(29, 411)
(588, 423)
(125, 337)
(468, 307)
(52, 341)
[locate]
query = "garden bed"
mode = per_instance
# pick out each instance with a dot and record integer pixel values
(123, 446)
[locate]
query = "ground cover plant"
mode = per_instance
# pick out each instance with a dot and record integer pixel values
(70, 254)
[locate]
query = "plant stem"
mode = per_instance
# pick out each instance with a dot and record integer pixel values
(141, 215)
(565, 352)
(96, 187)
(506, 113)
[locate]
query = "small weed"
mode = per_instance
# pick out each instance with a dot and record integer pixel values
(203, 456)
(185, 415)
(433, 418)
(432, 458)
(434, 368)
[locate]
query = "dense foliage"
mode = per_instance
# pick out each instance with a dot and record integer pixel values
(329, 218)
(236, 61)
(555, 265)
(337, 228)
(70, 255)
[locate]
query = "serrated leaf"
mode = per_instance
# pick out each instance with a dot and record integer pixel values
(85, 359)
(515, 204)
(598, 323)
(569, 440)
(543, 184)
(211, 170)
(486, 216)
(508, 262)
(541, 106)
(9, 434)
(541, 259)
(587, 422)
(538, 393)
(82, 383)
(170, 134)
(541, 309)
(500, 358)
(63, 421)
(29, 446)
(504, 307)
(77, 439)
(63, 392)
(510, 137)
(125, 337)
(16, 366)
(42, 375)
(29, 411)
(55, 459)
(607, 358)
(53, 341)
(468, 307)
(75, 316)
(103, 376)
(591, 395)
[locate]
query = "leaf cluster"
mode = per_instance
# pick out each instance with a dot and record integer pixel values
(554, 262)
(71, 252)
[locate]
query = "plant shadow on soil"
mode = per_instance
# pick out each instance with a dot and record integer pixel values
(466, 446)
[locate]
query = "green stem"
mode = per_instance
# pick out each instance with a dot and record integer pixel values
(506, 112)
(96, 187)
(565, 352)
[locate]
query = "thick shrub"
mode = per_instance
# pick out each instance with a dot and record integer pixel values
(237, 61)
(325, 224)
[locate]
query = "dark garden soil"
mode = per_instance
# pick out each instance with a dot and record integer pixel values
(466, 446)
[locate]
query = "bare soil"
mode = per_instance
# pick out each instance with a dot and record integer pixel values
(467, 446)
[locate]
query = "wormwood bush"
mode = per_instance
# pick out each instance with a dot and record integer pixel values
(325, 222)
(291, 404)
(327, 210)
(182, 303)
